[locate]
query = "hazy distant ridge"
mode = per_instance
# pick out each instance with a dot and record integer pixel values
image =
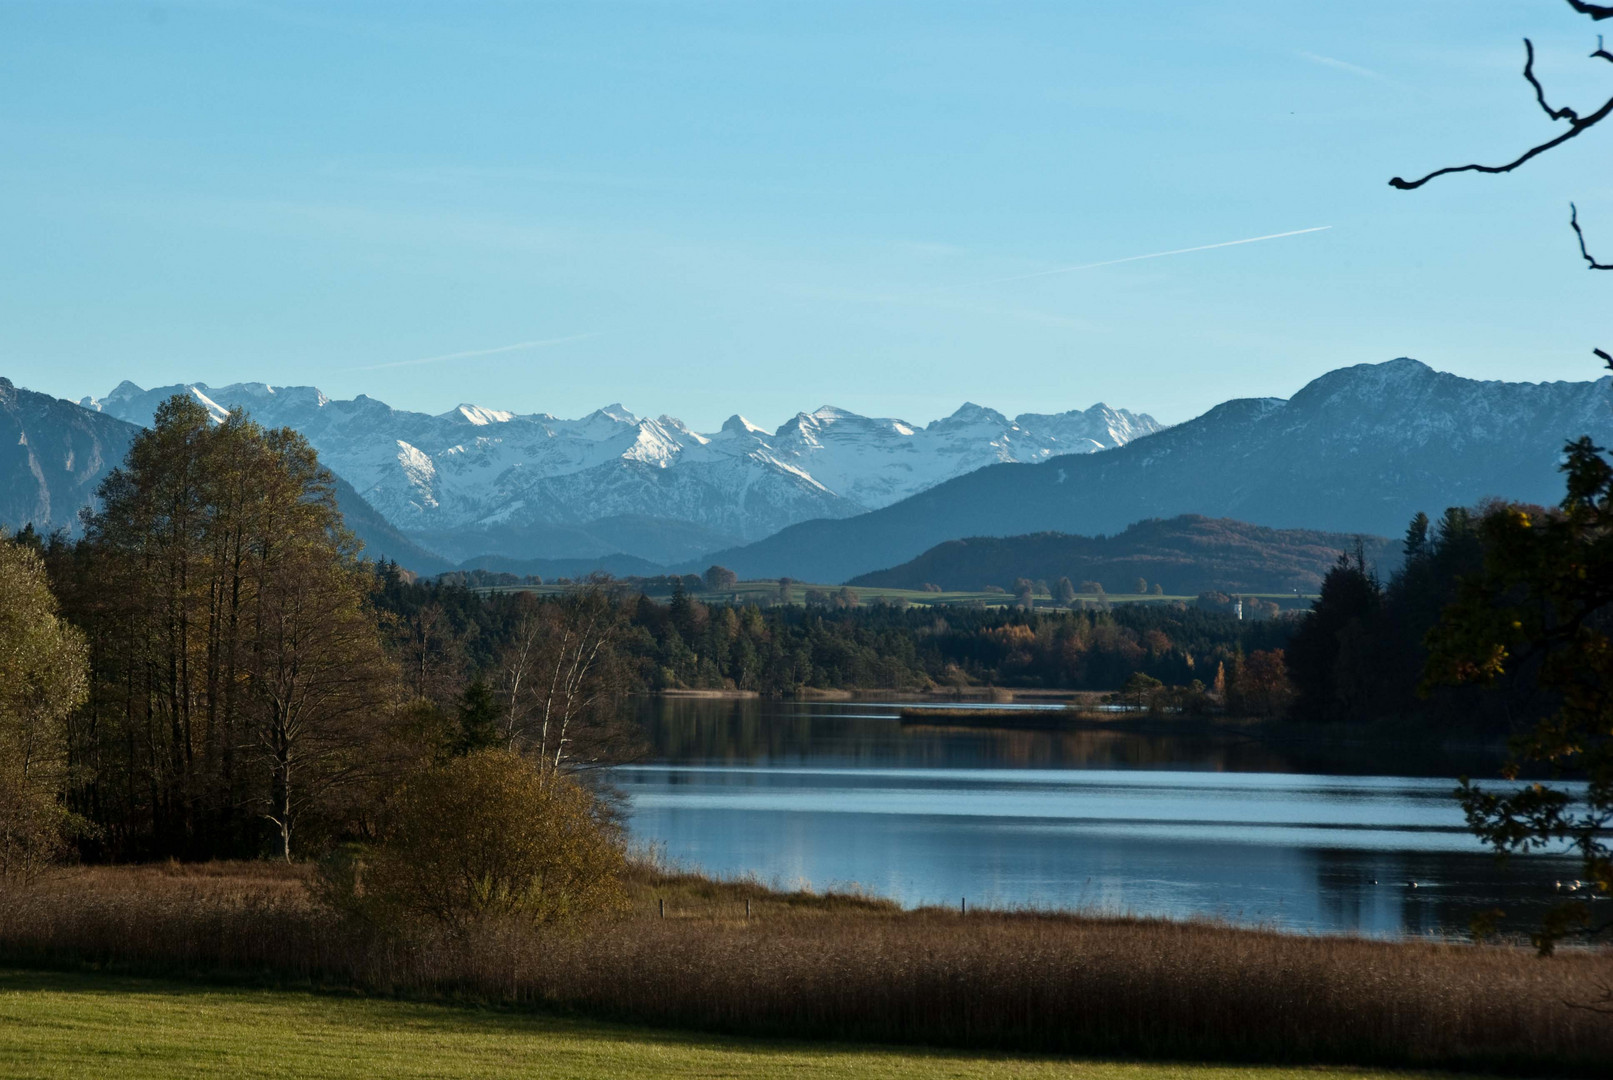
(1360, 449)
(1183, 555)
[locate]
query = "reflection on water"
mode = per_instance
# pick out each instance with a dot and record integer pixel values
(1298, 836)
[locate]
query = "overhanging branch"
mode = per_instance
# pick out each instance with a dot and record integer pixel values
(1595, 11)
(1573, 220)
(1576, 125)
(1564, 113)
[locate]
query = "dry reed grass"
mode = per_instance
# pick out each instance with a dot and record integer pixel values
(855, 968)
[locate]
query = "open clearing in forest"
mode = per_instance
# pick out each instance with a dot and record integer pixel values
(61, 1025)
(765, 593)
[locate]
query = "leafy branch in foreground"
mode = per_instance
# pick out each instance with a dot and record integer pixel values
(1544, 605)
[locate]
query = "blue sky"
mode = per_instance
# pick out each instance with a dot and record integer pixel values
(708, 208)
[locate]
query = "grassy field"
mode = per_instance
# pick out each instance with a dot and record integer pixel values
(765, 592)
(76, 1025)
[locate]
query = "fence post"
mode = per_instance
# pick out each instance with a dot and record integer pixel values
(963, 905)
(747, 907)
(662, 902)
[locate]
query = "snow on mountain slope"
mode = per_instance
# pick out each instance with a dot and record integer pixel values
(477, 471)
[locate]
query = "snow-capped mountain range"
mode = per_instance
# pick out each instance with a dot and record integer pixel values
(476, 480)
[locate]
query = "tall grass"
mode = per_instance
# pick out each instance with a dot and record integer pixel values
(849, 967)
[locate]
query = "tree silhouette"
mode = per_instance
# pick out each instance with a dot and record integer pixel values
(1578, 123)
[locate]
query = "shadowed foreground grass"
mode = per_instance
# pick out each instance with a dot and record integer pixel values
(55, 1025)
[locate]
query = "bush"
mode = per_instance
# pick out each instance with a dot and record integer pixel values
(485, 837)
(35, 831)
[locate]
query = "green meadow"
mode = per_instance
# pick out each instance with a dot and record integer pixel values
(93, 1025)
(766, 592)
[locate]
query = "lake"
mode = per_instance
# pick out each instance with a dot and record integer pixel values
(1297, 835)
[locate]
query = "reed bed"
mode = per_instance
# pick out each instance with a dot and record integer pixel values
(854, 968)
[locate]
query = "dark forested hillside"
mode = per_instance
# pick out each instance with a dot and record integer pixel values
(1184, 555)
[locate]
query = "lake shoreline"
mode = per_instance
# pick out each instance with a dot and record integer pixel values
(1276, 730)
(981, 694)
(1179, 816)
(992, 708)
(1086, 711)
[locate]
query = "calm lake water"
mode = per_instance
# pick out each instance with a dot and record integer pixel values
(1299, 836)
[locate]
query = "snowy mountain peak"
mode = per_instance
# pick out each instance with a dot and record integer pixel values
(124, 391)
(970, 413)
(474, 471)
(478, 416)
(738, 425)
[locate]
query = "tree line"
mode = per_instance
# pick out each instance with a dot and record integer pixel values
(456, 638)
(208, 672)
(1500, 622)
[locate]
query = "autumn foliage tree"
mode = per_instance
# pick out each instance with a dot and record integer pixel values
(237, 666)
(488, 836)
(43, 678)
(1261, 687)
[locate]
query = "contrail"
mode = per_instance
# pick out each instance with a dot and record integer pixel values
(1135, 258)
(480, 352)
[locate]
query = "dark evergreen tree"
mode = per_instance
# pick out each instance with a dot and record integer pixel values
(1416, 545)
(479, 714)
(1330, 657)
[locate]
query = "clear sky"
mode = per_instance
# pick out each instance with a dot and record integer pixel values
(709, 208)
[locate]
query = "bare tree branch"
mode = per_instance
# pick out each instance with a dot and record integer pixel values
(1576, 125)
(1573, 220)
(1595, 11)
(1564, 113)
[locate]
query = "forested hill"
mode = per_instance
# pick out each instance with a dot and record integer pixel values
(1361, 449)
(1184, 555)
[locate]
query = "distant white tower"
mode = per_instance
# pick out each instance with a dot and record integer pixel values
(1237, 607)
